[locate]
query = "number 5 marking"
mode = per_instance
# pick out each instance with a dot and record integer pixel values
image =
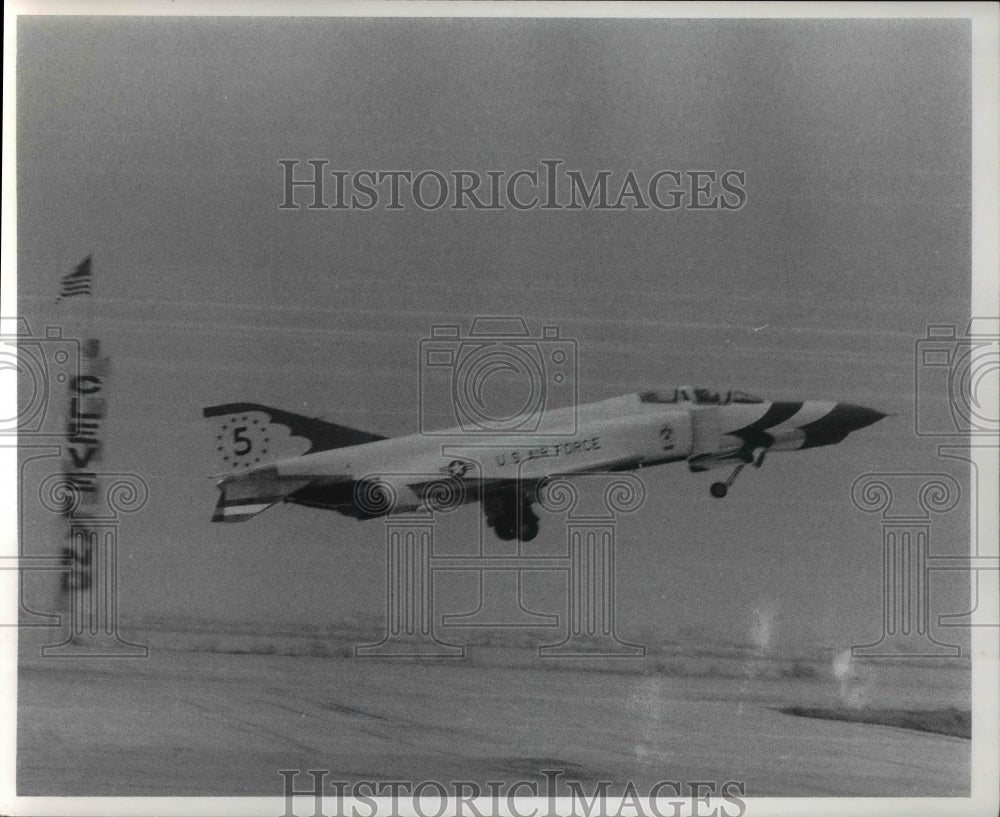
(239, 437)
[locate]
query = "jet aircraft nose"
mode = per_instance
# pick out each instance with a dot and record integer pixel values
(851, 417)
(835, 425)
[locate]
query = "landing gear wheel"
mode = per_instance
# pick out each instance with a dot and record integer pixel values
(506, 531)
(720, 489)
(509, 520)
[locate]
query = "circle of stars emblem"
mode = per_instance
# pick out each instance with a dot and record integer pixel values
(243, 440)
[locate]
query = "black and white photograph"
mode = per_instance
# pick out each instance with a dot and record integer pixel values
(500, 409)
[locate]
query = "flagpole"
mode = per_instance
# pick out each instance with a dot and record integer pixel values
(80, 485)
(89, 581)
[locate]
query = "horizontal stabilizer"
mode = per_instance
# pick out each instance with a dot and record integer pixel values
(243, 497)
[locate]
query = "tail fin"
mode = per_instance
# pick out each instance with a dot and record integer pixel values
(247, 435)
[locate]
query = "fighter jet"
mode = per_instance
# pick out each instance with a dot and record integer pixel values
(270, 455)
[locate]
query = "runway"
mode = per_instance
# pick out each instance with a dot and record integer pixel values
(198, 723)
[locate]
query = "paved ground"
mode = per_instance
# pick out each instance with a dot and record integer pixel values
(182, 723)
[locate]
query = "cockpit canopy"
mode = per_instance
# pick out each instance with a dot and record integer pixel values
(701, 397)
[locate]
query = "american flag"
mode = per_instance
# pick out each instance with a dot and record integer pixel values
(77, 282)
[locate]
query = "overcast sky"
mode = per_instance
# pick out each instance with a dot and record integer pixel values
(154, 145)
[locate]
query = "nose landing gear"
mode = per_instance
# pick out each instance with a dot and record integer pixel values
(756, 458)
(720, 489)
